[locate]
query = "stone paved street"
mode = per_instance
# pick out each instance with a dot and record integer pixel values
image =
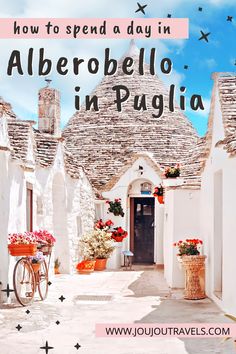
(115, 297)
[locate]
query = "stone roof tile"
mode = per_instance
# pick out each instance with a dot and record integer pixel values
(105, 141)
(6, 109)
(19, 131)
(227, 95)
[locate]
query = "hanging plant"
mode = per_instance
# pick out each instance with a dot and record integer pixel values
(159, 194)
(172, 172)
(119, 234)
(158, 191)
(115, 207)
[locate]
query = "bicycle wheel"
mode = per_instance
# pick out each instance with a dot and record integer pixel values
(24, 282)
(43, 280)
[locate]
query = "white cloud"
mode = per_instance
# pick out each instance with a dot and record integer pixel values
(211, 63)
(222, 2)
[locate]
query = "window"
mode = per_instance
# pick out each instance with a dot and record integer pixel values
(98, 211)
(146, 188)
(29, 207)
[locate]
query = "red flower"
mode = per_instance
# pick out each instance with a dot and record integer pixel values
(109, 223)
(120, 230)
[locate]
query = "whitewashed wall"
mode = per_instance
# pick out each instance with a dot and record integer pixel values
(229, 237)
(219, 162)
(181, 221)
(4, 217)
(67, 210)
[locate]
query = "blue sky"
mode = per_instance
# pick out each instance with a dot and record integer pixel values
(201, 57)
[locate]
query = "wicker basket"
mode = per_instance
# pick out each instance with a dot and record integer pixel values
(22, 249)
(46, 249)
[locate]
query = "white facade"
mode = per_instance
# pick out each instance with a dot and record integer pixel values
(129, 186)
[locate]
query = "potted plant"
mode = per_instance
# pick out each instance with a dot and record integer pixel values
(159, 193)
(36, 261)
(86, 251)
(194, 265)
(22, 244)
(115, 207)
(86, 266)
(57, 266)
(119, 234)
(172, 172)
(97, 245)
(103, 246)
(101, 225)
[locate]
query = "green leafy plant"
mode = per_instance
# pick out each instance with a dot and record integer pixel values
(115, 207)
(57, 263)
(189, 247)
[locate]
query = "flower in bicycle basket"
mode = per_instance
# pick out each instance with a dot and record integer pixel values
(44, 237)
(38, 258)
(25, 238)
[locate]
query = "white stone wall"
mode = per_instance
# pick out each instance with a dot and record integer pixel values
(81, 214)
(181, 221)
(79, 204)
(219, 162)
(4, 217)
(13, 210)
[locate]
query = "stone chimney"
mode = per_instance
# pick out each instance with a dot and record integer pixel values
(49, 110)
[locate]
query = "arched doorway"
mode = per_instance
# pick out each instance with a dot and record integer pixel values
(62, 251)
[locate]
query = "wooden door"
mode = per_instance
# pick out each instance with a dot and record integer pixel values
(142, 211)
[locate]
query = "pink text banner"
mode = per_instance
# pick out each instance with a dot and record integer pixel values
(62, 28)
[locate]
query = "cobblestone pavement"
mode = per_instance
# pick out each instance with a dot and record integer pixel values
(139, 296)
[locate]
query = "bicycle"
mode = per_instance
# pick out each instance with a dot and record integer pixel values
(27, 277)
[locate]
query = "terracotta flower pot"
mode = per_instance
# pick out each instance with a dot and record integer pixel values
(85, 267)
(160, 199)
(36, 267)
(194, 277)
(100, 264)
(118, 238)
(22, 249)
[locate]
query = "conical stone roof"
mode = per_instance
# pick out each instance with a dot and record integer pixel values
(105, 141)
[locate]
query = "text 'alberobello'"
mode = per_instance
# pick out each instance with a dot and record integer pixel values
(129, 65)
